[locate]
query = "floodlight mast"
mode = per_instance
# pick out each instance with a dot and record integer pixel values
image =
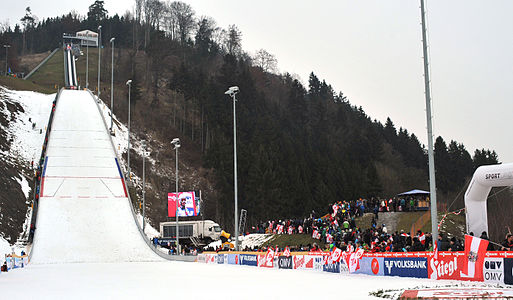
(112, 87)
(176, 143)
(129, 83)
(99, 54)
(232, 91)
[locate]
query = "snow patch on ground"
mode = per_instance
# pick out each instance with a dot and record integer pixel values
(27, 140)
(250, 241)
(149, 230)
(24, 186)
(5, 248)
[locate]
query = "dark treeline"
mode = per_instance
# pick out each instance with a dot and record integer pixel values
(300, 147)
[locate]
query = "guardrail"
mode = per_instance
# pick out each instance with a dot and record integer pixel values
(494, 267)
(38, 174)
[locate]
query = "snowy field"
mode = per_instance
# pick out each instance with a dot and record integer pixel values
(181, 280)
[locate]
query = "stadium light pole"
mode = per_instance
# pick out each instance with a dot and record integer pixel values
(232, 92)
(6, 50)
(129, 83)
(87, 59)
(176, 143)
(431, 157)
(112, 85)
(99, 54)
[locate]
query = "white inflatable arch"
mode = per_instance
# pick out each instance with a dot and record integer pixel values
(482, 182)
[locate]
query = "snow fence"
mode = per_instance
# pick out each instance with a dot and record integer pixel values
(496, 267)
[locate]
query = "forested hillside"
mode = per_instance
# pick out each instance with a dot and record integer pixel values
(301, 145)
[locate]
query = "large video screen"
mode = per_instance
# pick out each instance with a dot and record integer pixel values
(188, 204)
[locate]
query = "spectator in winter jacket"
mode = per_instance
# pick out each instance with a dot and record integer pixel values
(454, 245)
(417, 245)
(484, 236)
(507, 245)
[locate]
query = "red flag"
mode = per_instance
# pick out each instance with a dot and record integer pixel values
(286, 252)
(475, 252)
(329, 238)
(336, 254)
(422, 238)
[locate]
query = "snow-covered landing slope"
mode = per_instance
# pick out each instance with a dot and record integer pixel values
(84, 214)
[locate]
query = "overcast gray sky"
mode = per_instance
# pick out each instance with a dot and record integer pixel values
(371, 50)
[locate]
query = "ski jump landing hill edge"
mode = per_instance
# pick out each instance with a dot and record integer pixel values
(84, 212)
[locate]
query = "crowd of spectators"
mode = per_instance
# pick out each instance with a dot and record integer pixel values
(338, 228)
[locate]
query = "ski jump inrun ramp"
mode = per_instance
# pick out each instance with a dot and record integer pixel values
(84, 213)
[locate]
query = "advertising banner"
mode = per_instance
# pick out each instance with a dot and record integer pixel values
(493, 270)
(201, 258)
(266, 260)
(318, 262)
(248, 260)
(344, 269)
(331, 267)
(210, 258)
(16, 261)
(406, 267)
(446, 266)
(371, 266)
(233, 259)
(285, 262)
(220, 259)
(188, 204)
(508, 270)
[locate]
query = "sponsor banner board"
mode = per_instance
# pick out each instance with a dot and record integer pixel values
(201, 258)
(308, 262)
(285, 262)
(220, 258)
(210, 258)
(406, 267)
(448, 265)
(265, 261)
(508, 270)
(343, 267)
(299, 262)
(248, 260)
(332, 267)
(318, 262)
(233, 259)
(371, 266)
(493, 270)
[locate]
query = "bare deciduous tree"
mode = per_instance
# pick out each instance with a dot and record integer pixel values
(152, 10)
(184, 17)
(266, 61)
